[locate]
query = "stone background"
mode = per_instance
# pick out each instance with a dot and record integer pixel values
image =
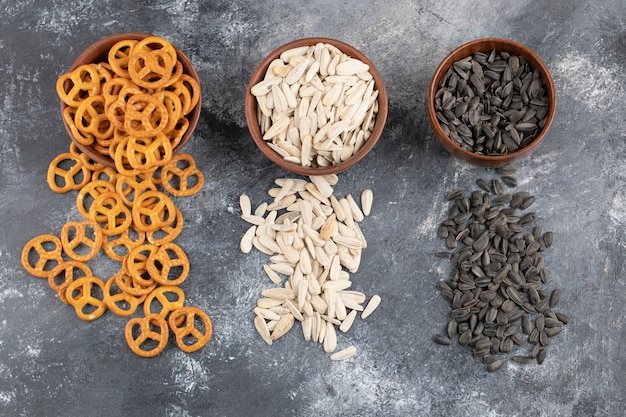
(53, 364)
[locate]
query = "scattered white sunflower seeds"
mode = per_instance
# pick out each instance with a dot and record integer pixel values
(314, 240)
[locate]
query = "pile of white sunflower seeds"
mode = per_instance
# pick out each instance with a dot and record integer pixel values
(497, 291)
(314, 242)
(492, 104)
(316, 105)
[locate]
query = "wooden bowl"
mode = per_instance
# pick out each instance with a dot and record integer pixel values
(98, 52)
(253, 122)
(487, 45)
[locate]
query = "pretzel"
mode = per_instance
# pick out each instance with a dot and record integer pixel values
(195, 326)
(64, 274)
(146, 153)
(118, 246)
(166, 299)
(153, 210)
(169, 265)
(73, 177)
(152, 62)
(130, 187)
(167, 233)
(147, 336)
(120, 302)
(86, 295)
(69, 115)
(126, 283)
(84, 81)
(87, 195)
(118, 56)
(188, 91)
(145, 115)
(180, 177)
(41, 255)
(75, 236)
(91, 119)
(173, 106)
(90, 164)
(109, 211)
(136, 264)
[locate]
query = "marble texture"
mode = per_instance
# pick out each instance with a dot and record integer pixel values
(53, 364)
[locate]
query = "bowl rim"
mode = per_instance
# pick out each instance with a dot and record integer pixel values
(250, 105)
(485, 45)
(90, 53)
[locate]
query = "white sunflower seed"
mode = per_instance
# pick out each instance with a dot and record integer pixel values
(343, 354)
(371, 306)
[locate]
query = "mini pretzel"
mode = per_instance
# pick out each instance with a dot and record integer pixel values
(196, 326)
(69, 115)
(120, 302)
(41, 255)
(169, 265)
(86, 295)
(78, 235)
(146, 153)
(118, 246)
(64, 274)
(82, 82)
(188, 90)
(166, 299)
(87, 195)
(145, 115)
(142, 333)
(126, 283)
(117, 216)
(167, 233)
(118, 56)
(62, 179)
(130, 187)
(181, 177)
(153, 210)
(90, 118)
(136, 264)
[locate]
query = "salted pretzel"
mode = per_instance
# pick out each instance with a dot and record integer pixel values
(169, 265)
(84, 81)
(190, 324)
(126, 283)
(188, 91)
(152, 62)
(153, 210)
(63, 178)
(147, 336)
(64, 274)
(145, 115)
(86, 295)
(118, 56)
(109, 211)
(91, 119)
(180, 177)
(137, 262)
(130, 187)
(146, 153)
(87, 195)
(163, 300)
(120, 302)
(118, 246)
(76, 236)
(41, 255)
(166, 233)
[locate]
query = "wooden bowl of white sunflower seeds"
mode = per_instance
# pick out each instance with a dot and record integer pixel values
(491, 102)
(316, 106)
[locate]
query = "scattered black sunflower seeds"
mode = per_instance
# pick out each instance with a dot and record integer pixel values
(497, 289)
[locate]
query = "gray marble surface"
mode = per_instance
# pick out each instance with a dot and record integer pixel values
(53, 364)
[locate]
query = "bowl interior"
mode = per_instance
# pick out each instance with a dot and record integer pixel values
(98, 52)
(488, 45)
(253, 123)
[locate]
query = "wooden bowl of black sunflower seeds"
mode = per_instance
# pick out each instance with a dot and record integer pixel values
(491, 102)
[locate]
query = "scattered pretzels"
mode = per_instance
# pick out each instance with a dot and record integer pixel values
(133, 109)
